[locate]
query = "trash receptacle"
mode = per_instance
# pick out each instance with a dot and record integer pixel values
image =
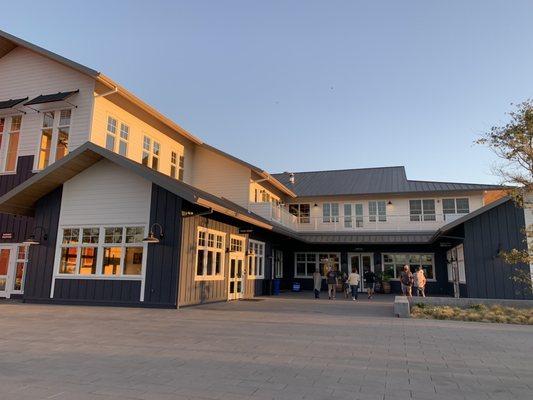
(277, 284)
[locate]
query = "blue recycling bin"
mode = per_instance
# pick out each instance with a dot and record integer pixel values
(277, 287)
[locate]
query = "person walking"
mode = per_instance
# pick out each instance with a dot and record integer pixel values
(331, 279)
(420, 282)
(370, 281)
(353, 280)
(406, 280)
(317, 280)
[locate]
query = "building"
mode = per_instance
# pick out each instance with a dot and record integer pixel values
(106, 201)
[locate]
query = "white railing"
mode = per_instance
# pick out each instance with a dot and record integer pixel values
(360, 223)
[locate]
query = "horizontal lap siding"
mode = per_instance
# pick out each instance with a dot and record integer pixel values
(487, 275)
(163, 258)
(41, 257)
(91, 290)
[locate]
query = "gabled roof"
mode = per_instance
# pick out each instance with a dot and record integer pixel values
(22, 199)
(8, 42)
(368, 181)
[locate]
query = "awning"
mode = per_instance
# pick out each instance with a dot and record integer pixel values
(7, 106)
(52, 98)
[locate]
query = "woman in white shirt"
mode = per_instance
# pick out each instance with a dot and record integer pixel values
(420, 282)
(353, 280)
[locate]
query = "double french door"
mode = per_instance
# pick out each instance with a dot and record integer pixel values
(236, 276)
(13, 260)
(362, 262)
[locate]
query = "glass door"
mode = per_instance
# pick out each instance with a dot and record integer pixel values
(362, 262)
(236, 267)
(5, 258)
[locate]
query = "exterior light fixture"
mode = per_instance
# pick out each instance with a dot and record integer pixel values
(389, 203)
(152, 238)
(32, 239)
(316, 205)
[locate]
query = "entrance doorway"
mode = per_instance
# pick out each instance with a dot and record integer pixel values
(236, 269)
(363, 262)
(13, 260)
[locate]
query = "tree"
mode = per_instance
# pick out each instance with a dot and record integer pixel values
(513, 144)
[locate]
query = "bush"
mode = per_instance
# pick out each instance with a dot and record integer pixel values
(476, 313)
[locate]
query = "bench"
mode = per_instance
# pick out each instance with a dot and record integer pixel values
(401, 307)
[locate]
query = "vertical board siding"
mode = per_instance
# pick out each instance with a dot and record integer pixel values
(487, 275)
(197, 292)
(163, 258)
(97, 291)
(41, 257)
(19, 226)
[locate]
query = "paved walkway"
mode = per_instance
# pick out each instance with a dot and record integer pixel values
(276, 348)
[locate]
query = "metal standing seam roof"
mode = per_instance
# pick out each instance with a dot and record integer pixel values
(363, 181)
(11, 103)
(369, 238)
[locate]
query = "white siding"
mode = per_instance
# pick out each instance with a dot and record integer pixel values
(105, 194)
(25, 73)
(220, 176)
(104, 108)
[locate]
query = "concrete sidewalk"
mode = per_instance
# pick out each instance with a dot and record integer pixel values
(289, 347)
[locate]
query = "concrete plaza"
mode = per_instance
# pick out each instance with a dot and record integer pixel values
(290, 347)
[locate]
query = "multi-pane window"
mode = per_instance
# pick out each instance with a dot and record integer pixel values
(456, 206)
(147, 145)
(307, 263)
(455, 258)
(123, 140)
(13, 144)
(102, 251)
(236, 244)
(377, 211)
(422, 210)
(393, 264)
(353, 215)
(181, 165)
(330, 212)
(278, 263)
(55, 129)
(302, 212)
(20, 267)
(209, 254)
(176, 165)
(151, 153)
(257, 255)
(111, 136)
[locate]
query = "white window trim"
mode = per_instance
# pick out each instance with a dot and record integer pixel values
(5, 144)
(222, 251)
(460, 264)
(408, 254)
(302, 219)
(55, 135)
(330, 218)
(455, 212)
(423, 211)
(351, 218)
(276, 253)
(255, 257)
(376, 216)
(317, 262)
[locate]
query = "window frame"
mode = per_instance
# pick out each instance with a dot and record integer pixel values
(100, 245)
(277, 263)
(330, 217)
(455, 209)
(424, 215)
(214, 249)
(111, 134)
(54, 140)
(353, 215)
(374, 214)
(297, 207)
(408, 255)
(317, 263)
(6, 142)
(257, 257)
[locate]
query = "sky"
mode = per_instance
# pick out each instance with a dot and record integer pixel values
(310, 85)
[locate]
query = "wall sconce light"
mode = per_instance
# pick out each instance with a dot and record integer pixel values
(315, 205)
(389, 203)
(32, 239)
(151, 238)
(250, 252)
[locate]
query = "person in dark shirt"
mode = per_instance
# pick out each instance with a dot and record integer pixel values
(370, 281)
(331, 278)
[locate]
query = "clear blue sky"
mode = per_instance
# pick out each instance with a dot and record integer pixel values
(310, 85)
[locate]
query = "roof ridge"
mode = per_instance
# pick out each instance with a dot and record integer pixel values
(339, 170)
(455, 183)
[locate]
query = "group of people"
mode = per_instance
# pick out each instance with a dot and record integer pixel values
(350, 283)
(409, 280)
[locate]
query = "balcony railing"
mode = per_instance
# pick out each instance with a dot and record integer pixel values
(359, 223)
